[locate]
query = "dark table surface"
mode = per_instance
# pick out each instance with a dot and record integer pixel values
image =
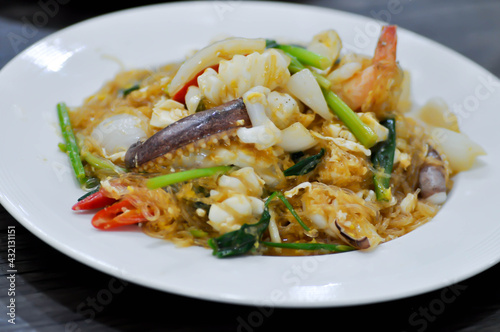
(55, 293)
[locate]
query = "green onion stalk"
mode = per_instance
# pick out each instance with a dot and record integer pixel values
(295, 66)
(303, 55)
(359, 129)
(310, 246)
(172, 178)
(71, 146)
(101, 163)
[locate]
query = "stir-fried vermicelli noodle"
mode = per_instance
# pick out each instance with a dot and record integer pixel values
(252, 146)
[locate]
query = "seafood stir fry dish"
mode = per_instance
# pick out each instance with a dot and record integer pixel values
(253, 146)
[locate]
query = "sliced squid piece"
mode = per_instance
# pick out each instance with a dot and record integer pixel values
(436, 113)
(283, 110)
(212, 55)
(460, 151)
(236, 200)
(166, 112)
(118, 132)
(263, 132)
(409, 203)
(344, 72)
(252, 182)
(193, 99)
(326, 43)
(241, 73)
(296, 138)
(304, 86)
(371, 121)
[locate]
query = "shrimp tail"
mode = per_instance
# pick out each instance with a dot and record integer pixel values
(386, 46)
(376, 88)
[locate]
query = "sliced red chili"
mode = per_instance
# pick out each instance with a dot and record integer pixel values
(96, 200)
(119, 214)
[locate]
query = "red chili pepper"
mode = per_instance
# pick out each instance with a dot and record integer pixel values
(95, 201)
(119, 214)
(180, 95)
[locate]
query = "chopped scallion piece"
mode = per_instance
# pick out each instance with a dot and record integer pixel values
(295, 66)
(102, 163)
(62, 147)
(91, 184)
(310, 246)
(127, 91)
(359, 129)
(168, 179)
(289, 207)
(198, 233)
(303, 55)
(90, 193)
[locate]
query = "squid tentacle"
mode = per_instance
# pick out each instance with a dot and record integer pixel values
(187, 131)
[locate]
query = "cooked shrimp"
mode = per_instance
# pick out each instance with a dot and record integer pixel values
(376, 88)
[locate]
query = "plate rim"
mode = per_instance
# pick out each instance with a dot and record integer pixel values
(18, 215)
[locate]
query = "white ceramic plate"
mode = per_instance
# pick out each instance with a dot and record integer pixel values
(38, 188)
